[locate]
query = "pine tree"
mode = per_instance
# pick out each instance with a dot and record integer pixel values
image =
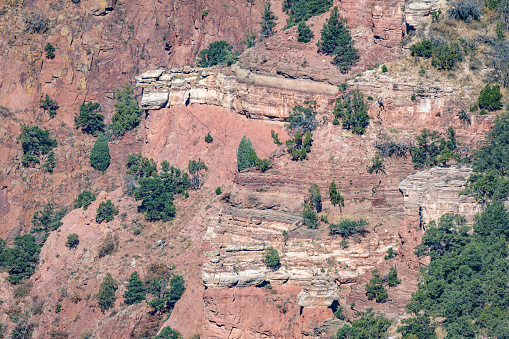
(375, 289)
(100, 154)
(246, 154)
(392, 278)
(268, 22)
(305, 33)
(335, 196)
(106, 293)
(336, 40)
(135, 292)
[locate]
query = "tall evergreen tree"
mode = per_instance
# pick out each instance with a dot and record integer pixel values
(106, 293)
(305, 33)
(135, 292)
(268, 22)
(246, 154)
(100, 154)
(336, 40)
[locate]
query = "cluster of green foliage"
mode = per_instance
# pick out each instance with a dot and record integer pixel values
(127, 113)
(390, 254)
(195, 167)
(305, 33)
(246, 154)
(89, 119)
(271, 258)
(384, 69)
(58, 307)
(337, 41)
(417, 327)
(208, 138)
(157, 191)
(166, 299)
(50, 163)
(377, 166)
(34, 142)
(100, 154)
(135, 292)
(268, 22)
(335, 196)
(490, 180)
(217, 53)
(300, 145)
(466, 281)
(432, 149)
(168, 333)
(302, 10)
(375, 289)
(72, 240)
(218, 190)
(489, 98)
(84, 200)
(392, 277)
(106, 211)
(49, 219)
(348, 227)
(106, 296)
(443, 56)
(49, 105)
(464, 117)
(369, 325)
(309, 216)
(302, 118)
(50, 50)
(140, 166)
(315, 198)
(21, 259)
(338, 313)
(352, 111)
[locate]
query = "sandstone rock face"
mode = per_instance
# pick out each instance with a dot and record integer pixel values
(431, 193)
(256, 96)
(417, 13)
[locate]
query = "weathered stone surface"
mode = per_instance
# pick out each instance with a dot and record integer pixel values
(155, 100)
(256, 96)
(431, 193)
(321, 293)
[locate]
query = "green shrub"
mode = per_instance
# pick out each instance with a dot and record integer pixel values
(218, 190)
(445, 56)
(499, 30)
(20, 260)
(305, 33)
(275, 137)
(204, 13)
(89, 119)
(246, 154)
(377, 166)
(100, 154)
(50, 163)
(263, 164)
(168, 333)
(140, 166)
(268, 22)
(135, 292)
(384, 69)
(464, 116)
(72, 240)
(50, 51)
(127, 113)
(432, 149)
(208, 138)
(302, 10)
(413, 97)
(299, 148)
(353, 112)
(392, 278)
(315, 198)
(58, 307)
(390, 254)
(157, 192)
(369, 325)
(49, 219)
(84, 200)
(176, 291)
(309, 216)
(419, 326)
(336, 40)
(106, 211)
(339, 313)
(271, 258)
(489, 98)
(106, 296)
(424, 49)
(348, 227)
(49, 105)
(302, 118)
(217, 53)
(375, 289)
(335, 196)
(34, 142)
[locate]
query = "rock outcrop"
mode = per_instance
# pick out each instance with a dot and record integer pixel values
(434, 192)
(253, 95)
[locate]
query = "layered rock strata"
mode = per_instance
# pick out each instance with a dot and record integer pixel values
(253, 95)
